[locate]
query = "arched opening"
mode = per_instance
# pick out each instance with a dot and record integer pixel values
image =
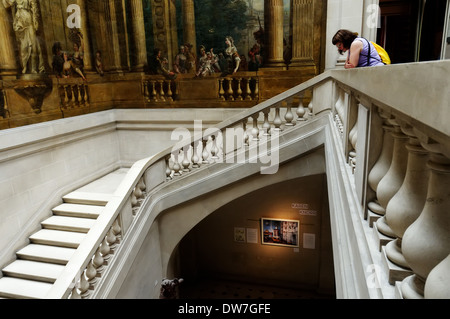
(225, 256)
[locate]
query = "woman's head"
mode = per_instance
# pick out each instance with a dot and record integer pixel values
(343, 39)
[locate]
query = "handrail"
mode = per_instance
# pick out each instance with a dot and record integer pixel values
(82, 270)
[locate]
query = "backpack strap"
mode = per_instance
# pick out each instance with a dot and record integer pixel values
(370, 55)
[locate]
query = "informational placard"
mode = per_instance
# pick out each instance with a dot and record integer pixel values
(252, 235)
(239, 234)
(309, 241)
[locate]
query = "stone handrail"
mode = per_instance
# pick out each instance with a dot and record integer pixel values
(354, 97)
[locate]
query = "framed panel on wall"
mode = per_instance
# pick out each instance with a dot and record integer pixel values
(280, 232)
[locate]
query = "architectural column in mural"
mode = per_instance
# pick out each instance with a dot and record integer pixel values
(137, 15)
(189, 25)
(163, 28)
(273, 24)
(87, 58)
(112, 32)
(8, 63)
(302, 30)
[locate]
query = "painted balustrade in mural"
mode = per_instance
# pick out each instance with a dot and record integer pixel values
(159, 90)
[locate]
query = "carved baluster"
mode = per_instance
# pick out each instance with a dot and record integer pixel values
(244, 127)
(186, 163)
(289, 117)
(248, 94)
(98, 262)
(230, 90)
(195, 159)
(66, 97)
(154, 94)
(161, 91)
(214, 149)
(80, 97)
(266, 125)
(256, 93)
(239, 90)
(112, 240)
(221, 90)
(73, 95)
(205, 153)
(91, 274)
(169, 170)
(311, 107)
(117, 230)
(146, 91)
(84, 286)
(169, 91)
(255, 129)
(75, 294)
(301, 109)
(86, 95)
(105, 251)
(176, 164)
(277, 122)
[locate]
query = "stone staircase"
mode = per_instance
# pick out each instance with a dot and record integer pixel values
(39, 264)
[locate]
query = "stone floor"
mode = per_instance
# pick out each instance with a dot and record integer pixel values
(218, 289)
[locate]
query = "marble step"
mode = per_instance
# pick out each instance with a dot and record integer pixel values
(77, 210)
(57, 238)
(33, 270)
(15, 288)
(87, 198)
(74, 224)
(45, 253)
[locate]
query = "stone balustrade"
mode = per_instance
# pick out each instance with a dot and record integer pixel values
(399, 169)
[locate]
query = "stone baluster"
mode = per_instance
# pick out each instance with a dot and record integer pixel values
(266, 125)
(246, 136)
(66, 96)
(380, 169)
(426, 242)
(146, 91)
(84, 286)
(300, 109)
(407, 204)
(339, 107)
(393, 180)
(169, 170)
(80, 96)
(74, 101)
(117, 230)
(186, 162)
(105, 250)
(91, 274)
(205, 153)
(255, 129)
(277, 122)
(289, 117)
(99, 262)
(311, 107)
(195, 159)
(437, 285)
(214, 148)
(353, 140)
(176, 164)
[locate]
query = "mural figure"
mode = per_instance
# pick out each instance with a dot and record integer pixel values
(158, 65)
(78, 51)
(208, 63)
(232, 57)
(69, 68)
(26, 24)
(180, 61)
(255, 58)
(190, 58)
(99, 63)
(58, 59)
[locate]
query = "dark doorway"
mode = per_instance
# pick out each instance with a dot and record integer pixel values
(411, 30)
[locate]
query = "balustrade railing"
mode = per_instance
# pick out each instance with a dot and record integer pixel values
(73, 93)
(393, 162)
(159, 90)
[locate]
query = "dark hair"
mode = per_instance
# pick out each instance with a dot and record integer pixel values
(346, 37)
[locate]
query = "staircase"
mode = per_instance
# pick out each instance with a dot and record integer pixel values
(39, 263)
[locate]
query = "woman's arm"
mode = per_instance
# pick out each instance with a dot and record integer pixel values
(353, 54)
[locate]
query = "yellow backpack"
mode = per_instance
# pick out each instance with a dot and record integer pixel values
(381, 52)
